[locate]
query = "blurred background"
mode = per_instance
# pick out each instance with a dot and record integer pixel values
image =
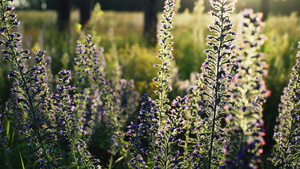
(127, 31)
(276, 6)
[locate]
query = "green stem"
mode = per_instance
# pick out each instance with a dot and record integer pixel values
(166, 162)
(110, 165)
(215, 97)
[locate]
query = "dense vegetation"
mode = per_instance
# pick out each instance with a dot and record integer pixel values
(56, 118)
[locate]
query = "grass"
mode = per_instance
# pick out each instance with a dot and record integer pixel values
(39, 30)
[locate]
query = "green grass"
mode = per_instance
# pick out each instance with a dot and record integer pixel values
(39, 30)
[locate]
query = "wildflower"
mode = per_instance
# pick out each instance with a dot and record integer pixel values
(212, 85)
(287, 132)
(245, 118)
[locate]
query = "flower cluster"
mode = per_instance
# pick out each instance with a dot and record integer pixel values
(249, 92)
(212, 86)
(69, 126)
(165, 55)
(46, 123)
(145, 130)
(90, 80)
(29, 99)
(98, 102)
(287, 132)
(160, 124)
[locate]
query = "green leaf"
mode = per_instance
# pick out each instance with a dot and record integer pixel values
(119, 159)
(23, 166)
(7, 129)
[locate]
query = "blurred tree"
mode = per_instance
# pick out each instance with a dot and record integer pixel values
(150, 9)
(63, 9)
(121, 5)
(85, 11)
(35, 4)
(52, 4)
(29, 4)
(265, 9)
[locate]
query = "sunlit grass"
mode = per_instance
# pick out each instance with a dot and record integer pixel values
(280, 47)
(128, 30)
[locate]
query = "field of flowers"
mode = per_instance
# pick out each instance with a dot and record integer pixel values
(220, 90)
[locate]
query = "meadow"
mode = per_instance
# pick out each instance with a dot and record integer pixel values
(39, 29)
(198, 105)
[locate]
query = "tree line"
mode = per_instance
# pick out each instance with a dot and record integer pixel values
(275, 6)
(150, 8)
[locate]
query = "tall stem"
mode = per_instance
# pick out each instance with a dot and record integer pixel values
(215, 111)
